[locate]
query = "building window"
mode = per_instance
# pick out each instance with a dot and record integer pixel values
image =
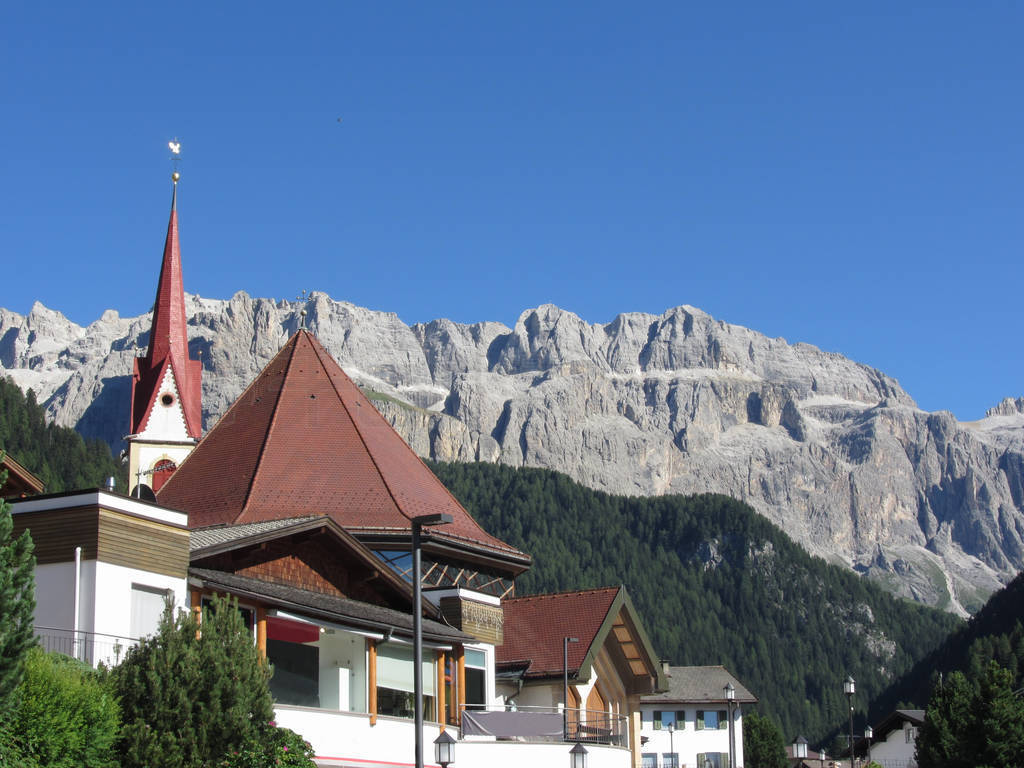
(670, 760)
(649, 760)
(710, 719)
(296, 678)
(712, 760)
(147, 607)
(476, 679)
(395, 682)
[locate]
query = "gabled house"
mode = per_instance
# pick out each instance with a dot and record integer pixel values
(689, 723)
(585, 648)
(893, 742)
(20, 482)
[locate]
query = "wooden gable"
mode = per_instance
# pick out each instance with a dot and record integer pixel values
(316, 556)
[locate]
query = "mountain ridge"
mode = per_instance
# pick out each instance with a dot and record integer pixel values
(833, 450)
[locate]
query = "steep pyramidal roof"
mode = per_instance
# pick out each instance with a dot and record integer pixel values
(168, 342)
(303, 440)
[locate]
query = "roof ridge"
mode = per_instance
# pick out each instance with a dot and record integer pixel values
(564, 593)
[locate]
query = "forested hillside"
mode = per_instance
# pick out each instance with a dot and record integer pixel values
(996, 633)
(56, 455)
(716, 584)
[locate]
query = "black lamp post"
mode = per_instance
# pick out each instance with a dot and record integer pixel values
(849, 688)
(578, 756)
(444, 749)
(672, 743)
(417, 626)
(565, 687)
(730, 698)
(869, 732)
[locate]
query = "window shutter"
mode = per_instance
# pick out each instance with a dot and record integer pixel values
(725, 760)
(680, 719)
(723, 719)
(700, 755)
(700, 727)
(657, 720)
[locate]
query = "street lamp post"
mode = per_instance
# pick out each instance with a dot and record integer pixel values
(730, 698)
(417, 626)
(565, 685)
(672, 743)
(849, 688)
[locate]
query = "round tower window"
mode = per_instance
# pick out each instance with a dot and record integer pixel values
(167, 399)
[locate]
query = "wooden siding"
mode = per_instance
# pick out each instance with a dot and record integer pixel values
(148, 545)
(311, 561)
(56, 533)
(108, 536)
(484, 622)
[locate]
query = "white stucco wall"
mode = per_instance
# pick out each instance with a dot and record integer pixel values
(687, 740)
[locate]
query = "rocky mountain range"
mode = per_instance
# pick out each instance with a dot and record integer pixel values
(835, 452)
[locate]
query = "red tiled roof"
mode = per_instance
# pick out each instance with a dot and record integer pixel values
(303, 440)
(535, 627)
(168, 342)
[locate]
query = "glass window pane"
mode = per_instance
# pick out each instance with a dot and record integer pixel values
(476, 658)
(296, 677)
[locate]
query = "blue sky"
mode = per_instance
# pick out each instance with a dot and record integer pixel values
(844, 175)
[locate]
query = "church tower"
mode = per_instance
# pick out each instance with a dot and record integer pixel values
(166, 409)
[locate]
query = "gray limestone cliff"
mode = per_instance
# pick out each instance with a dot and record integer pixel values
(833, 451)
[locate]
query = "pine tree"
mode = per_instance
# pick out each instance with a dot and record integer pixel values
(193, 692)
(763, 743)
(973, 722)
(17, 604)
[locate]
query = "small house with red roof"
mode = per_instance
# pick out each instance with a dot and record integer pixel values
(586, 651)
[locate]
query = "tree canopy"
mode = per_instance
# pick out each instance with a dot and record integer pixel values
(194, 692)
(973, 722)
(17, 605)
(56, 455)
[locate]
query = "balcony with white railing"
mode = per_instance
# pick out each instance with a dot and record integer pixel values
(489, 738)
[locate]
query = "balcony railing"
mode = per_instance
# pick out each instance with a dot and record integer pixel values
(544, 724)
(91, 647)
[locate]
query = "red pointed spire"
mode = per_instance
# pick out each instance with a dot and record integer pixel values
(168, 341)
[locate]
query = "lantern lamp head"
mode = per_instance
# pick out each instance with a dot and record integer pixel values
(444, 749)
(578, 756)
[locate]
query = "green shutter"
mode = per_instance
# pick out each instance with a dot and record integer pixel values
(680, 719)
(657, 720)
(723, 719)
(700, 727)
(700, 755)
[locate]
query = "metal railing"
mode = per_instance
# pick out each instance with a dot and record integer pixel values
(545, 724)
(93, 648)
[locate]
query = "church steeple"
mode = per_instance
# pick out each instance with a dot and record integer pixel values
(166, 414)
